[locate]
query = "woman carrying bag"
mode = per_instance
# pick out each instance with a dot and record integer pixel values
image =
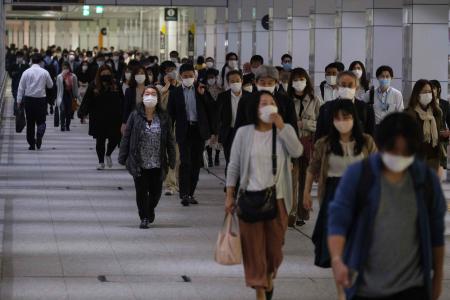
(67, 94)
(148, 150)
(261, 157)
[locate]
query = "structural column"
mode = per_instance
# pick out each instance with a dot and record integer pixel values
(247, 30)
(210, 31)
(199, 31)
(262, 35)
(385, 38)
(280, 30)
(219, 54)
(352, 31)
(426, 43)
(233, 26)
(300, 33)
(323, 38)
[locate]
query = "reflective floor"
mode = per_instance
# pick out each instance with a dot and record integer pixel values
(70, 232)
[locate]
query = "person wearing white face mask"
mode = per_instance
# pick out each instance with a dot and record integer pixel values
(329, 87)
(359, 70)
(191, 109)
(232, 63)
(307, 107)
(126, 78)
(333, 154)
(389, 199)
(147, 149)
(385, 99)
(347, 85)
(67, 92)
(252, 163)
(133, 95)
(423, 107)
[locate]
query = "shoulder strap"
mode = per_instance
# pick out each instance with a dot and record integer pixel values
(322, 89)
(372, 95)
(365, 182)
(274, 150)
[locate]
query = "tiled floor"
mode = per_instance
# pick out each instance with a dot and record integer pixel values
(70, 232)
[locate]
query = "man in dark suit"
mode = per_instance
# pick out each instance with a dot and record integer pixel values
(267, 80)
(15, 72)
(190, 108)
(347, 82)
(227, 103)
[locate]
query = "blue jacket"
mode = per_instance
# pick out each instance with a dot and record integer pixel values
(356, 226)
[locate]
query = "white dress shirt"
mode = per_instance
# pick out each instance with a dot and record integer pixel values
(329, 93)
(33, 83)
(385, 103)
(234, 106)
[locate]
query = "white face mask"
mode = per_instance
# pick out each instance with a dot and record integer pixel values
(285, 86)
(150, 100)
(331, 80)
(343, 126)
(209, 64)
(211, 81)
(266, 111)
(188, 82)
(236, 87)
(233, 64)
(299, 85)
(100, 63)
(71, 57)
(346, 93)
(254, 70)
(425, 99)
(358, 73)
(115, 58)
(248, 88)
(84, 68)
(396, 163)
(174, 59)
(139, 78)
(127, 75)
(269, 89)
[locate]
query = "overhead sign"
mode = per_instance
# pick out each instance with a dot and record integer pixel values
(171, 14)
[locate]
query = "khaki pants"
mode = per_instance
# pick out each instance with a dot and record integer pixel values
(171, 182)
(262, 247)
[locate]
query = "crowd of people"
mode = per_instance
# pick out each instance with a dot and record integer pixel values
(378, 165)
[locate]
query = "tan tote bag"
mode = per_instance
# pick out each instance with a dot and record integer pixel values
(228, 247)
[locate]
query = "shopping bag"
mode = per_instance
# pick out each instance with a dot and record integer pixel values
(228, 247)
(20, 119)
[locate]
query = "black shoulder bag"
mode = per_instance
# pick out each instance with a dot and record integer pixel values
(257, 206)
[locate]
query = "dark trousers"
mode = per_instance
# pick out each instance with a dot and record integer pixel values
(417, 293)
(100, 147)
(148, 191)
(227, 149)
(65, 111)
(36, 113)
(191, 156)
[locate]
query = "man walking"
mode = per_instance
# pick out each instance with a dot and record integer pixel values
(32, 93)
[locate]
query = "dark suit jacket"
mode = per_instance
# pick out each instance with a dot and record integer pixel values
(285, 104)
(177, 111)
(365, 113)
(129, 104)
(445, 107)
(224, 115)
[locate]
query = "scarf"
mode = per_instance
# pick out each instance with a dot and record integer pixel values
(430, 131)
(68, 80)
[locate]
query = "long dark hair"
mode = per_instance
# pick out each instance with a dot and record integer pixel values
(253, 107)
(363, 81)
(415, 96)
(309, 89)
(132, 83)
(98, 82)
(345, 107)
(435, 84)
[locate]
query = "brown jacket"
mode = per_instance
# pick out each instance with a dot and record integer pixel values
(318, 166)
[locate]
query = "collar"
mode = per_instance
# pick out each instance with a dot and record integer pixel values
(35, 66)
(381, 92)
(233, 95)
(187, 88)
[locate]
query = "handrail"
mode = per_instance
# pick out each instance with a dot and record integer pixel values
(2, 93)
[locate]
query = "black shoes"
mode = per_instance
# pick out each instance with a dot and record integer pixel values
(269, 295)
(217, 159)
(151, 219)
(67, 128)
(63, 129)
(185, 201)
(38, 143)
(32, 148)
(144, 224)
(192, 200)
(300, 223)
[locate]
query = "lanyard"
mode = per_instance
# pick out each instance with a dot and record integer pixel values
(384, 104)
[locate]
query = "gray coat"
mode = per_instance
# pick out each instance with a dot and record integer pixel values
(240, 158)
(130, 143)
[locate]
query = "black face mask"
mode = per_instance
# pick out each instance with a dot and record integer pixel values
(106, 78)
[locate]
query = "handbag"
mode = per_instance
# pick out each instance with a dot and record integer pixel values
(75, 104)
(256, 206)
(228, 247)
(21, 122)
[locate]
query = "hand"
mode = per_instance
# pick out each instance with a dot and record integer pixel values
(307, 201)
(201, 89)
(341, 273)
(229, 205)
(300, 124)
(167, 80)
(436, 287)
(123, 128)
(445, 133)
(277, 120)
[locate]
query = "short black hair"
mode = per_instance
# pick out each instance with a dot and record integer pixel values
(212, 71)
(381, 69)
(286, 56)
(172, 53)
(234, 72)
(253, 111)
(186, 68)
(395, 125)
(230, 54)
(36, 58)
(435, 84)
(167, 64)
(200, 60)
(257, 58)
(340, 66)
(248, 78)
(332, 66)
